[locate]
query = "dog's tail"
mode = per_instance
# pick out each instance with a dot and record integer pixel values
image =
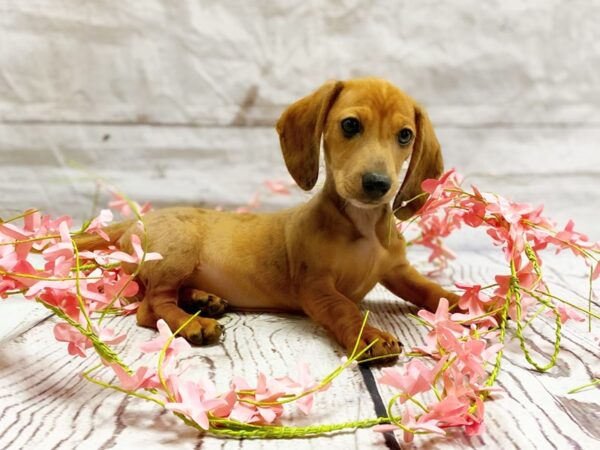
(95, 242)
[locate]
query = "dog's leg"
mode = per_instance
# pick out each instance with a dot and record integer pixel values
(406, 282)
(162, 303)
(192, 300)
(342, 318)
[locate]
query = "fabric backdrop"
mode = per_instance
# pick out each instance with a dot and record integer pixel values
(175, 101)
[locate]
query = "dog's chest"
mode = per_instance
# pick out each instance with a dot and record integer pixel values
(363, 259)
(360, 267)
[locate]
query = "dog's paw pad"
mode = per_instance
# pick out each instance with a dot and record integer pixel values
(202, 331)
(385, 349)
(210, 305)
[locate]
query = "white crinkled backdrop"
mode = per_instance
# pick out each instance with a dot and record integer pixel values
(175, 101)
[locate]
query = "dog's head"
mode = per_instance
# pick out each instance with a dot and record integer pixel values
(369, 129)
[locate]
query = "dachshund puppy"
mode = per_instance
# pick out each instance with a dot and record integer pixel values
(320, 258)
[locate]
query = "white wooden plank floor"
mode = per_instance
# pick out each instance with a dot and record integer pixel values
(45, 404)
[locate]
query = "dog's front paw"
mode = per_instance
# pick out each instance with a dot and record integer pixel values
(386, 347)
(202, 331)
(191, 300)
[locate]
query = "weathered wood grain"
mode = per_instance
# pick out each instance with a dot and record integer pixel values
(46, 405)
(17, 315)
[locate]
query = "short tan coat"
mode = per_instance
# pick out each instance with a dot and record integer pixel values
(320, 258)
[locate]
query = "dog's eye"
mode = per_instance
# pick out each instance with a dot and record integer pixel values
(405, 136)
(350, 126)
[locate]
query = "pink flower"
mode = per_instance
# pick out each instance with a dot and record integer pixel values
(445, 330)
(277, 187)
(5, 286)
(194, 403)
(61, 298)
(138, 253)
(177, 345)
(78, 343)
(108, 335)
(209, 391)
(473, 209)
(35, 226)
(48, 226)
(267, 390)
(141, 379)
(12, 231)
(471, 357)
(408, 420)
(567, 312)
(512, 212)
(124, 207)
(124, 285)
(475, 425)
(98, 223)
(501, 237)
(130, 308)
(415, 378)
(526, 277)
(439, 341)
(305, 382)
(450, 410)
(473, 300)
(8, 258)
(243, 412)
(24, 267)
(170, 372)
(570, 239)
(98, 256)
(448, 180)
(60, 256)
(48, 284)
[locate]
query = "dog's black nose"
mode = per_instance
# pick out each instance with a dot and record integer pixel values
(376, 185)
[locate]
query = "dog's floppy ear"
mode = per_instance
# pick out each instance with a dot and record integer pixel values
(300, 128)
(425, 162)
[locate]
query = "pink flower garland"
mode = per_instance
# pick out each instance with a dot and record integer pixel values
(518, 228)
(456, 366)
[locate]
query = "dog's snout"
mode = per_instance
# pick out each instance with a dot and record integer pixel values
(376, 185)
